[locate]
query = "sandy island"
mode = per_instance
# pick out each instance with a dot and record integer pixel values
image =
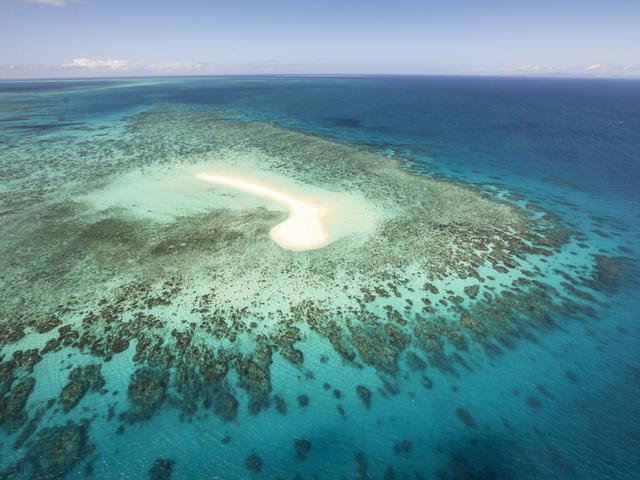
(303, 230)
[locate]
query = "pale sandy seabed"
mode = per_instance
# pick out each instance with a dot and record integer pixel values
(112, 246)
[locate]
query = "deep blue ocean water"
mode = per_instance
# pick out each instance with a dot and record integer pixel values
(570, 145)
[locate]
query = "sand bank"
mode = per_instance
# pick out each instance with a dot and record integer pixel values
(303, 230)
(317, 216)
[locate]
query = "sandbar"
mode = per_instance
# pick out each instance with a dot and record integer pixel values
(303, 230)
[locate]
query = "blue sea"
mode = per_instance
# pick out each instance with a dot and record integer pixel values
(150, 332)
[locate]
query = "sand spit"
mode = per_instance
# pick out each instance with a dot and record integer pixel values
(303, 230)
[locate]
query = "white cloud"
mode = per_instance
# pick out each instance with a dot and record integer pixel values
(54, 3)
(530, 68)
(595, 70)
(137, 66)
(92, 64)
(88, 67)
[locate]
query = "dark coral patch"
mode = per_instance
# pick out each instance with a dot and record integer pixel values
(302, 447)
(12, 414)
(57, 451)
(365, 395)
(225, 406)
(161, 469)
(146, 392)
(403, 448)
(533, 402)
(281, 405)
(253, 462)
(465, 417)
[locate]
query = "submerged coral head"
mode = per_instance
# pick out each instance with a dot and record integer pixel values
(303, 230)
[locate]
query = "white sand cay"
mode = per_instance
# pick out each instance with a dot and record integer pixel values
(317, 216)
(303, 230)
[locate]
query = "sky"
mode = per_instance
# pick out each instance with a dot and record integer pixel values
(73, 38)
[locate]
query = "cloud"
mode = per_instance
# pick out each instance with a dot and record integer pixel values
(88, 67)
(53, 3)
(530, 68)
(93, 64)
(595, 70)
(137, 66)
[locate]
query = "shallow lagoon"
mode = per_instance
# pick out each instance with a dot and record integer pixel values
(459, 326)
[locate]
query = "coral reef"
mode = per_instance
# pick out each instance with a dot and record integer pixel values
(146, 392)
(161, 469)
(465, 417)
(302, 447)
(448, 277)
(55, 453)
(253, 463)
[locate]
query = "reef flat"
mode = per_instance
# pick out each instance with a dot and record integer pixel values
(136, 282)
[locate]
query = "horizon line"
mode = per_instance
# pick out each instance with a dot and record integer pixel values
(257, 75)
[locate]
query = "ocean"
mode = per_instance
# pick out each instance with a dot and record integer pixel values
(473, 314)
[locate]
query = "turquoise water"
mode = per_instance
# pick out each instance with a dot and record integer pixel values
(159, 286)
